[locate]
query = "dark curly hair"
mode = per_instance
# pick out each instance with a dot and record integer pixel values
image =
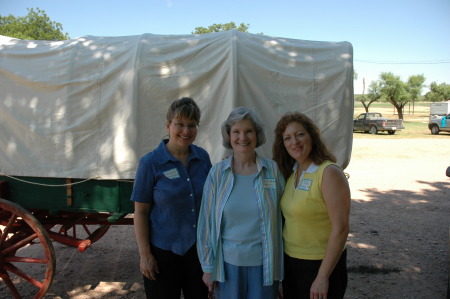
(319, 152)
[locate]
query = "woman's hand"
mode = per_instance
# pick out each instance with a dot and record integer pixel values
(149, 266)
(319, 288)
(207, 279)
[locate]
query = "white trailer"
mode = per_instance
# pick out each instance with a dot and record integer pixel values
(440, 108)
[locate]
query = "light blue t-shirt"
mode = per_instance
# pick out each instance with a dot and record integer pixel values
(241, 234)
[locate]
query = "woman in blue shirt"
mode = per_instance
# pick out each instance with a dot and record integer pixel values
(239, 229)
(167, 194)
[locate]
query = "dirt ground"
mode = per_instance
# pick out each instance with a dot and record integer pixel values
(400, 218)
(398, 246)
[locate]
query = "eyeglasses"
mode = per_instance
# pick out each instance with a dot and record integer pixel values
(181, 126)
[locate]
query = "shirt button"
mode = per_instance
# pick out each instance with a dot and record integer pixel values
(194, 225)
(193, 210)
(188, 180)
(190, 195)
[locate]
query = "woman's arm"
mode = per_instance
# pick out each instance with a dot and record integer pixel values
(336, 193)
(205, 231)
(148, 264)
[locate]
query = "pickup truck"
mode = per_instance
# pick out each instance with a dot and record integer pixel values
(375, 122)
(438, 123)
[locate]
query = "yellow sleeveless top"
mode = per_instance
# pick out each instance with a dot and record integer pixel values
(307, 225)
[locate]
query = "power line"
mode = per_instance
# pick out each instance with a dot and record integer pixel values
(442, 61)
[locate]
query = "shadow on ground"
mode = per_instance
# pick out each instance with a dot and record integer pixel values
(399, 243)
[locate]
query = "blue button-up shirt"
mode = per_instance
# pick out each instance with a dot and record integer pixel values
(174, 192)
(268, 187)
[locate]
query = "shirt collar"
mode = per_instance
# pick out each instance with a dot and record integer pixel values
(260, 163)
(311, 168)
(165, 156)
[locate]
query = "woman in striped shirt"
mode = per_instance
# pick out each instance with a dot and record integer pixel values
(239, 230)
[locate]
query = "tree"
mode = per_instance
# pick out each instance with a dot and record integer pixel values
(414, 87)
(373, 95)
(36, 25)
(222, 27)
(438, 92)
(394, 91)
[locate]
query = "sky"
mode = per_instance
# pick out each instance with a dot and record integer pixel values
(405, 37)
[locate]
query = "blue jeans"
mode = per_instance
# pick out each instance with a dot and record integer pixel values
(242, 282)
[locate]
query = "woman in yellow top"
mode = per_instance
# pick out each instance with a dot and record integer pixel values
(316, 208)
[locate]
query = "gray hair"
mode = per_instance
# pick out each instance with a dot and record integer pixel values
(239, 114)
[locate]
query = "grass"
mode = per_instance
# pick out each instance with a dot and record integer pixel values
(415, 121)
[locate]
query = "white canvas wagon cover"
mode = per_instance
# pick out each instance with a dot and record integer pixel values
(91, 107)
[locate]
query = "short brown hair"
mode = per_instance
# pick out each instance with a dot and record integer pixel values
(185, 107)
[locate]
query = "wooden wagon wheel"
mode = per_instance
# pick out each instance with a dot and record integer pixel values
(78, 229)
(18, 264)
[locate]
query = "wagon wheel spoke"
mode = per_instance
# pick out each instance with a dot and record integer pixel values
(13, 269)
(66, 230)
(79, 230)
(7, 228)
(86, 229)
(81, 241)
(12, 288)
(20, 263)
(18, 243)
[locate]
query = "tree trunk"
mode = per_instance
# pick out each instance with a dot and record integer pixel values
(366, 107)
(399, 111)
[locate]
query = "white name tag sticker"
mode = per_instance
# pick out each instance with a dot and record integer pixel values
(172, 174)
(269, 183)
(305, 185)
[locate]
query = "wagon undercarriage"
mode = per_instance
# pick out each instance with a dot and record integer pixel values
(75, 226)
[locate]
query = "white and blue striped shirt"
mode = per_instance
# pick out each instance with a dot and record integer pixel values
(268, 187)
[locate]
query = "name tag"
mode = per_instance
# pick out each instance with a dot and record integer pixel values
(269, 183)
(305, 185)
(172, 174)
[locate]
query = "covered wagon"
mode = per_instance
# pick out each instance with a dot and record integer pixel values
(76, 116)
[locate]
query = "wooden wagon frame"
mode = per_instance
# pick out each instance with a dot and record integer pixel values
(72, 212)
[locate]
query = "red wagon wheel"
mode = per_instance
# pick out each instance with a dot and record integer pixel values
(20, 265)
(77, 229)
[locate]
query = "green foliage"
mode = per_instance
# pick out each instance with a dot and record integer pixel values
(372, 96)
(438, 92)
(414, 87)
(393, 88)
(36, 25)
(374, 92)
(222, 27)
(399, 93)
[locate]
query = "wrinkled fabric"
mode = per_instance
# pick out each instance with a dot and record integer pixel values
(90, 107)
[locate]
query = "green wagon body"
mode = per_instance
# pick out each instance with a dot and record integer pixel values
(93, 196)
(38, 210)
